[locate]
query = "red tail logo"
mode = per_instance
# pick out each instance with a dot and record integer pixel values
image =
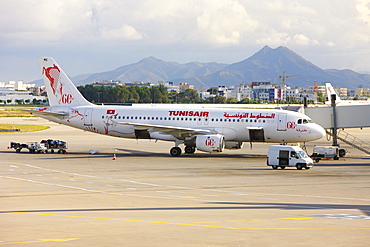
(53, 74)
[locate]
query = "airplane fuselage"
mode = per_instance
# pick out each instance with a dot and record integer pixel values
(234, 124)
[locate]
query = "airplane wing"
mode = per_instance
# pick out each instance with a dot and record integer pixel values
(177, 132)
(48, 113)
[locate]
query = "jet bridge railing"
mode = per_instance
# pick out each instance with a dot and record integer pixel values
(352, 140)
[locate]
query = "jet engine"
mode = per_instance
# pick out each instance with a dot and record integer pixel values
(207, 143)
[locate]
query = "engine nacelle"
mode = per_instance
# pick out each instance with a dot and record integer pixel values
(233, 145)
(210, 143)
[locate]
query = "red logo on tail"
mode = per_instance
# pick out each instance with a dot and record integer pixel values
(53, 74)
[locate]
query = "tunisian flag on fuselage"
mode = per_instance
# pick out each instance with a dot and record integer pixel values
(111, 111)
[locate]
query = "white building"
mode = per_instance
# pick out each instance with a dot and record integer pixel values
(17, 85)
(12, 97)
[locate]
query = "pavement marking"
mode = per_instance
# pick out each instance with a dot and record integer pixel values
(195, 225)
(282, 218)
(342, 216)
(40, 241)
(169, 186)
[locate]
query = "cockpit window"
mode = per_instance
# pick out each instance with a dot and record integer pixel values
(304, 121)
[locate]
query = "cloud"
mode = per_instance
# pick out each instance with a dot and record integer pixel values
(363, 8)
(125, 32)
(223, 22)
(223, 30)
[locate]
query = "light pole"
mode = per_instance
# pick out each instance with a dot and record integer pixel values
(98, 96)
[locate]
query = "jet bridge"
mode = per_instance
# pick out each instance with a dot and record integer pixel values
(336, 117)
(347, 116)
(342, 116)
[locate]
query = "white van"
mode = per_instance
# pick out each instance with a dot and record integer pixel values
(283, 156)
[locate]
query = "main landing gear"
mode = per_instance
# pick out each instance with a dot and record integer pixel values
(176, 151)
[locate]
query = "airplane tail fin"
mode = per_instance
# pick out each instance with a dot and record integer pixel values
(60, 89)
(329, 92)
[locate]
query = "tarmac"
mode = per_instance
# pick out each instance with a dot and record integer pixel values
(145, 197)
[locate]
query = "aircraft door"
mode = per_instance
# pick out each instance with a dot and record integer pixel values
(256, 134)
(88, 117)
(281, 125)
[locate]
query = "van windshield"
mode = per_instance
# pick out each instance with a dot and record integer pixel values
(302, 154)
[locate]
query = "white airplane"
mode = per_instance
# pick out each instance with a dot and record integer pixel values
(204, 129)
(338, 101)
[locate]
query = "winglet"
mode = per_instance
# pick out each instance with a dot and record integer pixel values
(60, 89)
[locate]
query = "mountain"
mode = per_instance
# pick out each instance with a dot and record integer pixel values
(265, 65)
(152, 70)
(268, 64)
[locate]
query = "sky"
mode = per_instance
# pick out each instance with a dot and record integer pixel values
(87, 36)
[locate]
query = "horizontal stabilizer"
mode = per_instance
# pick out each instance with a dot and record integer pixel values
(48, 113)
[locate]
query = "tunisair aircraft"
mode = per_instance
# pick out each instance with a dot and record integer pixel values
(195, 127)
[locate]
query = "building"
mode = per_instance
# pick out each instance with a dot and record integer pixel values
(109, 83)
(12, 97)
(362, 93)
(17, 85)
(183, 86)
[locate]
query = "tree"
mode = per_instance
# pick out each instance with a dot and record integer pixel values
(231, 101)
(216, 100)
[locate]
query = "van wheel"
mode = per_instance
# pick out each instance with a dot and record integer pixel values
(336, 157)
(274, 167)
(299, 166)
(282, 167)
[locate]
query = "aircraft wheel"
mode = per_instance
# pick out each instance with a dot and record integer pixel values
(189, 150)
(282, 167)
(175, 151)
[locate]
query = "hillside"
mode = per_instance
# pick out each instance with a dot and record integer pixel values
(265, 65)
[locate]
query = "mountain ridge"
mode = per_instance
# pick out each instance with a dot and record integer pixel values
(267, 64)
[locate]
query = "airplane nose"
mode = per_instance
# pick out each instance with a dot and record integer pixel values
(319, 132)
